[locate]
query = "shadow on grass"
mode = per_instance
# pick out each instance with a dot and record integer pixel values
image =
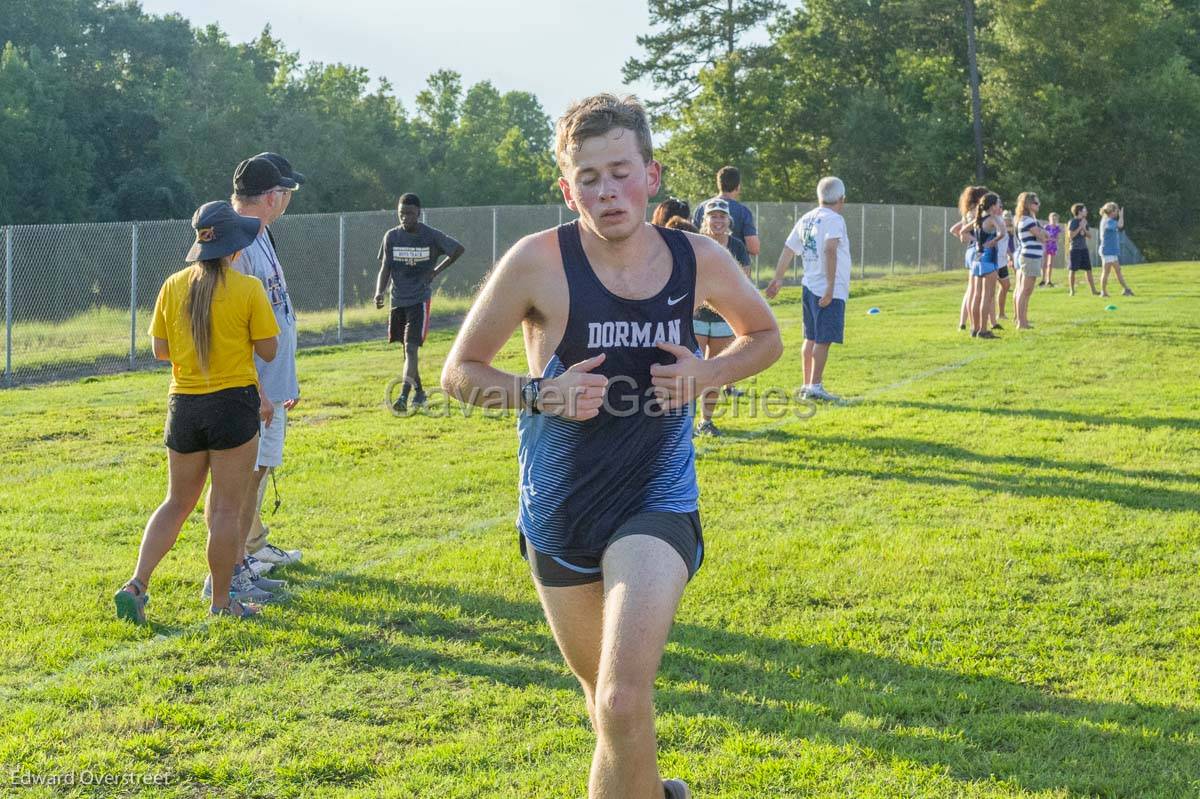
(972, 727)
(1116, 419)
(960, 467)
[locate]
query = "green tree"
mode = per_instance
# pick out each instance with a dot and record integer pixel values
(691, 37)
(45, 171)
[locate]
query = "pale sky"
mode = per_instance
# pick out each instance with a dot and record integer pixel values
(558, 49)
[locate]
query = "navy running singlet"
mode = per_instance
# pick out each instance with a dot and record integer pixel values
(581, 480)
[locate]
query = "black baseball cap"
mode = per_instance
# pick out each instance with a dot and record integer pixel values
(220, 231)
(285, 168)
(257, 176)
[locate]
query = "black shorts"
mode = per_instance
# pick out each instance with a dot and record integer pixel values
(409, 323)
(681, 530)
(1081, 260)
(221, 420)
(1002, 273)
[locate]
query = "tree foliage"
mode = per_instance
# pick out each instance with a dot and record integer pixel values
(1082, 102)
(110, 113)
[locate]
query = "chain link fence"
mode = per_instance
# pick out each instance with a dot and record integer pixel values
(78, 298)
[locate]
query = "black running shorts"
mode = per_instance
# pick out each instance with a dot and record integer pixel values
(681, 530)
(221, 420)
(409, 324)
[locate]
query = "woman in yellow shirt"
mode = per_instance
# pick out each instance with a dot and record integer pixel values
(209, 321)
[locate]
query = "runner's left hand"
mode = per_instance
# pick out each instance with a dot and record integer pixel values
(676, 384)
(289, 404)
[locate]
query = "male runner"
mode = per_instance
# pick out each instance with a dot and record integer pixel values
(407, 257)
(608, 498)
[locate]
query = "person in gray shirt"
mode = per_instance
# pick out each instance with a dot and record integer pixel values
(263, 187)
(411, 255)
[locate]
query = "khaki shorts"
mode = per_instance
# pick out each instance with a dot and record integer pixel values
(1031, 267)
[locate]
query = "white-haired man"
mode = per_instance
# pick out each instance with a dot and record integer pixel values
(823, 245)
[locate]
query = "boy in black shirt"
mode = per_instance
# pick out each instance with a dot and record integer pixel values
(411, 256)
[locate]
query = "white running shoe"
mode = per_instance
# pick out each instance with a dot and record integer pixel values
(240, 588)
(259, 567)
(818, 392)
(276, 556)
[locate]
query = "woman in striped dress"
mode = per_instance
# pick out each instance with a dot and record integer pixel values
(1032, 238)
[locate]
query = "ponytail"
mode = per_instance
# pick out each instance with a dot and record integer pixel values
(985, 202)
(199, 306)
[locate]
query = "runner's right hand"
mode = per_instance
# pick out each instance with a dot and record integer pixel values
(378, 300)
(576, 394)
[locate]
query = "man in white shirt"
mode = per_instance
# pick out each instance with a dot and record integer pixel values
(820, 239)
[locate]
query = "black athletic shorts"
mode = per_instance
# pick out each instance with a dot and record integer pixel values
(1081, 260)
(221, 420)
(1002, 273)
(681, 530)
(409, 323)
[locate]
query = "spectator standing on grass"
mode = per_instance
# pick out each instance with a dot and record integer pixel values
(1053, 231)
(1033, 240)
(209, 321)
(411, 255)
(741, 220)
(265, 193)
(964, 229)
(823, 244)
(988, 222)
(670, 208)
(609, 517)
(713, 333)
(1081, 257)
(1113, 223)
(1008, 252)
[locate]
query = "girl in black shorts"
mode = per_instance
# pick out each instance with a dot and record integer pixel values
(209, 321)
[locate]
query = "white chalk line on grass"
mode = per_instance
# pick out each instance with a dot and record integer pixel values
(130, 652)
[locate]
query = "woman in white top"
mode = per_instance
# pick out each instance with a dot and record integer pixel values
(1032, 237)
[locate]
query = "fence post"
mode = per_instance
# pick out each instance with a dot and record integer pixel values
(920, 236)
(945, 238)
(341, 273)
(758, 218)
(862, 242)
(494, 215)
(795, 219)
(8, 304)
(893, 256)
(560, 216)
(133, 270)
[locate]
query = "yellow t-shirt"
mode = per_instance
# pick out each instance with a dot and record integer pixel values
(241, 313)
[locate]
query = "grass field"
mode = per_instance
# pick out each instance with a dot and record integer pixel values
(981, 579)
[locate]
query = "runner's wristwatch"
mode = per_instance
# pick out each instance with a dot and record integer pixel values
(530, 393)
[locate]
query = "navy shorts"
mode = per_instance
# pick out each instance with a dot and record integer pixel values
(1081, 260)
(681, 530)
(221, 420)
(823, 325)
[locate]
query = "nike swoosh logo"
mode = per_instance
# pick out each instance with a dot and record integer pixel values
(676, 300)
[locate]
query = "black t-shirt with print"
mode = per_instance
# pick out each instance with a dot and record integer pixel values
(411, 257)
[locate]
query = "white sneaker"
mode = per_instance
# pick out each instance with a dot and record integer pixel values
(259, 567)
(818, 392)
(276, 556)
(241, 588)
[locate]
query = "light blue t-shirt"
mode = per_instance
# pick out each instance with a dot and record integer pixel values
(277, 377)
(1110, 238)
